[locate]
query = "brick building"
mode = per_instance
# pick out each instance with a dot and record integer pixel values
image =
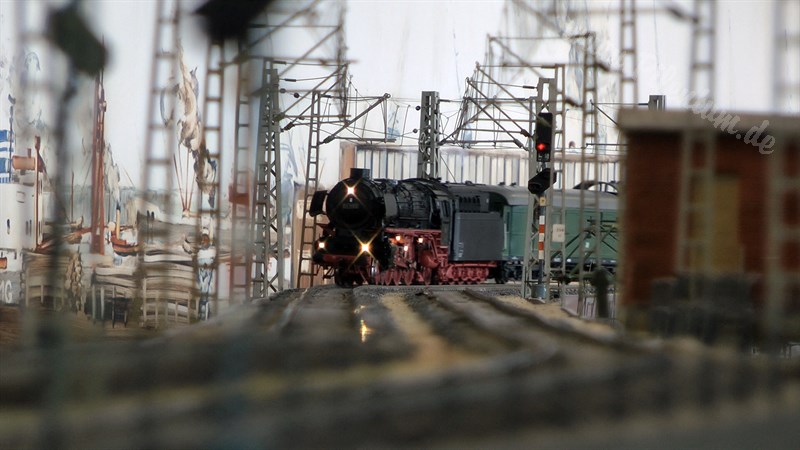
(737, 219)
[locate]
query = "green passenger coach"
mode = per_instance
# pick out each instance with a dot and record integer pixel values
(595, 230)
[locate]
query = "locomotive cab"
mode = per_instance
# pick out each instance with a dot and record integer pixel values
(474, 221)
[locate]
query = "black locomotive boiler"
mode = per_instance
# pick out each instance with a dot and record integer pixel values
(415, 231)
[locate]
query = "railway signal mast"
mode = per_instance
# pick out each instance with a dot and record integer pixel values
(543, 136)
(539, 156)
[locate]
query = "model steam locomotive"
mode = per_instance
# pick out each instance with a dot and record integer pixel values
(423, 231)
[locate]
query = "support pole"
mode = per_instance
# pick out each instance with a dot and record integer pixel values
(98, 169)
(428, 162)
(268, 201)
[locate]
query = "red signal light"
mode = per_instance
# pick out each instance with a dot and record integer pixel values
(540, 147)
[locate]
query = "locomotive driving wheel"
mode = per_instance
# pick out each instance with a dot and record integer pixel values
(501, 275)
(337, 278)
(430, 276)
(342, 280)
(374, 272)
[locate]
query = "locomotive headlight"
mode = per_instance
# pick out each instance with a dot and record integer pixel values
(351, 190)
(420, 240)
(321, 245)
(365, 248)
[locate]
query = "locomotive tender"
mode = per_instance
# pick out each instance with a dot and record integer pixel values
(423, 231)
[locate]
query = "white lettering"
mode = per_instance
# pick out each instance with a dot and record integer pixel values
(766, 145)
(754, 133)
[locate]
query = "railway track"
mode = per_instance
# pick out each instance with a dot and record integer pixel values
(369, 366)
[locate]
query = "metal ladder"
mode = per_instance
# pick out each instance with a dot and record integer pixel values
(268, 202)
(696, 202)
(560, 146)
(241, 271)
(696, 209)
(629, 81)
(785, 48)
(701, 69)
(212, 137)
(589, 138)
(783, 188)
(627, 43)
(306, 269)
(159, 135)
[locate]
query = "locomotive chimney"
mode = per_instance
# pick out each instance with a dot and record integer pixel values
(359, 173)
